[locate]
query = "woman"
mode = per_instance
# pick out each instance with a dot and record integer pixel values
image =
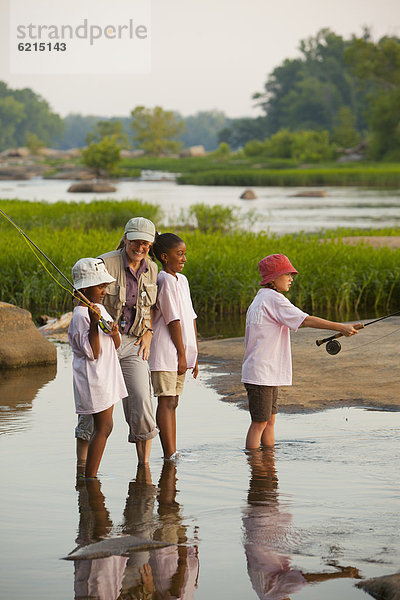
(129, 301)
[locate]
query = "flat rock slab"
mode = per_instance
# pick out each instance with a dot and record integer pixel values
(21, 344)
(383, 588)
(115, 547)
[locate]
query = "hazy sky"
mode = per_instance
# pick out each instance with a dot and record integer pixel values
(206, 54)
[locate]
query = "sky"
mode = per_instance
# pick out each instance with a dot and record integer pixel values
(205, 54)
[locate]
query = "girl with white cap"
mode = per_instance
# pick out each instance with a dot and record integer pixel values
(97, 375)
(267, 361)
(129, 300)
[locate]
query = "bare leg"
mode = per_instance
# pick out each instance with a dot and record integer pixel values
(81, 455)
(103, 424)
(166, 421)
(268, 436)
(143, 449)
(254, 434)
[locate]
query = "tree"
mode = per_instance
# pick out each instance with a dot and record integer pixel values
(156, 130)
(23, 111)
(202, 129)
(378, 66)
(240, 131)
(105, 128)
(308, 92)
(102, 156)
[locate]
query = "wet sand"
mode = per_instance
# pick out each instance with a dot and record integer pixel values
(365, 373)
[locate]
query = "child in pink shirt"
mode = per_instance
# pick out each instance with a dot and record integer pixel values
(174, 345)
(267, 362)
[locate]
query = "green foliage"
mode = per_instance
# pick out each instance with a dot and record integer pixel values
(102, 156)
(335, 279)
(207, 218)
(33, 143)
(302, 146)
(378, 66)
(156, 130)
(223, 152)
(111, 129)
(23, 111)
(239, 132)
(86, 216)
(344, 133)
(308, 92)
(385, 176)
(202, 128)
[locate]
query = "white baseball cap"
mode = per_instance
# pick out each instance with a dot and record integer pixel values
(140, 228)
(90, 271)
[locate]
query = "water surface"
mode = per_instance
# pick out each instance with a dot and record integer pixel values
(302, 522)
(278, 211)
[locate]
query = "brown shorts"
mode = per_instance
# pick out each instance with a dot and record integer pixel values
(167, 383)
(263, 401)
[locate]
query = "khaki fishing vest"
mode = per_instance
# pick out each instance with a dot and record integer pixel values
(116, 291)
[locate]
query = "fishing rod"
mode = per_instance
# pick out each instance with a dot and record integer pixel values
(103, 324)
(333, 346)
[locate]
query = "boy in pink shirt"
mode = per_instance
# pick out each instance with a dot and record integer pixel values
(267, 362)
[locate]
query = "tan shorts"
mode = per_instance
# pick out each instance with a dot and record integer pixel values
(167, 383)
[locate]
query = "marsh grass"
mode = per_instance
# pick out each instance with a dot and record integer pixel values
(383, 176)
(335, 280)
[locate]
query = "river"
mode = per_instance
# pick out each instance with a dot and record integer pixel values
(275, 209)
(302, 522)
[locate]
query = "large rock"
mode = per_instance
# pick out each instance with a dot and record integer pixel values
(248, 195)
(384, 588)
(100, 188)
(21, 344)
(310, 194)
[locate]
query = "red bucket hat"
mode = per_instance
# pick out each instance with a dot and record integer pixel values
(274, 265)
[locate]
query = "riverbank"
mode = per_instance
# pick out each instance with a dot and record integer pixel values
(365, 373)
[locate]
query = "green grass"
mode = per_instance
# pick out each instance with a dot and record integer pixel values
(383, 176)
(84, 215)
(335, 280)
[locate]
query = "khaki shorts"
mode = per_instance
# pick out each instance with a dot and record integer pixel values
(167, 383)
(263, 401)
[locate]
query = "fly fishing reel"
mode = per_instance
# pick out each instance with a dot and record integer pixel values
(333, 347)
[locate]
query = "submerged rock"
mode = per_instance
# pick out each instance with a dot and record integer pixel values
(384, 588)
(21, 344)
(115, 547)
(311, 194)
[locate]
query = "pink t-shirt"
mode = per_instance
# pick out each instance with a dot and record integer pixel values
(173, 304)
(98, 383)
(268, 358)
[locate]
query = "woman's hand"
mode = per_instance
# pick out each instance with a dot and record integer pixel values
(144, 342)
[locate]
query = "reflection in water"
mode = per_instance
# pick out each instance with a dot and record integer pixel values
(266, 532)
(98, 578)
(168, 573)
(18, 389)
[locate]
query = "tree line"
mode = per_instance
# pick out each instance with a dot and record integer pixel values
(336, 94)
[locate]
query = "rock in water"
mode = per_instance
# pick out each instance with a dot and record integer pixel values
(115, 547)
(384, 588)
(88, 187)
(21, 344)
(248, 195)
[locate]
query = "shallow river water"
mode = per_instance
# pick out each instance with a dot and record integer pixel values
(302, 522)
(278, 211)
